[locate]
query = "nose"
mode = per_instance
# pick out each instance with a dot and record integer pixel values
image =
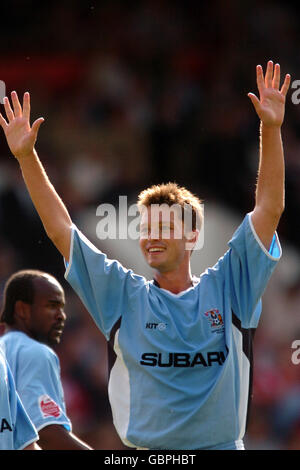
(153, 237)
(150, 235)
(155, 233)
(60, 314)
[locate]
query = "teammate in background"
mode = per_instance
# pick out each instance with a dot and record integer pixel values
(185, 384)
(17, 432)
(33, 313)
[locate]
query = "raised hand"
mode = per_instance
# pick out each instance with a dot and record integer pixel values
(270, 106)
(20, 136)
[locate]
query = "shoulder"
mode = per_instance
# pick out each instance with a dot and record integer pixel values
(3, 364)
(246, 240)
(86, 256)
(16, 341)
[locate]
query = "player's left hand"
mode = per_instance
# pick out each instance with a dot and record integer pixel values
(270, 106)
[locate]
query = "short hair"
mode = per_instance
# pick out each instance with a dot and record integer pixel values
(20, 286)
(171, 194)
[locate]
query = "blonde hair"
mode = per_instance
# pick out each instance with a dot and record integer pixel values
(170, 194)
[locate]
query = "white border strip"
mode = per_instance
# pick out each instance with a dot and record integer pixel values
(119, 394)
(27, 443)
(244, 380)
(61, 423)
(71, 252)
(273, 258)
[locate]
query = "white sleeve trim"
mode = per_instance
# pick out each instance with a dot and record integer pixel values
(69, 264)
(49, 423)
(273, 258)
(34, 439)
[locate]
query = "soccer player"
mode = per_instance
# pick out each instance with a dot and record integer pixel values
(17, 432)
(33, 313)
(180, 368)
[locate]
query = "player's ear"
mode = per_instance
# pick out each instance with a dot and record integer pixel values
(192, 238)
(22, 310)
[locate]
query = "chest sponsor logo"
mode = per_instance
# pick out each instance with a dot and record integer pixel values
(48, 407)
(183, 359)
(215, 320)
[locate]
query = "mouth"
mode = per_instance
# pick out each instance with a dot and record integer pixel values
(58, 328)
(155, 249)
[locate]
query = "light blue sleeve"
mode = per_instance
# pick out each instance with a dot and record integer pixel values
(24, 432)
(249, 266)
(39, 385)
(104, 286)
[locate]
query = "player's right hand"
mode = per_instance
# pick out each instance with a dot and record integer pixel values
(20, 136)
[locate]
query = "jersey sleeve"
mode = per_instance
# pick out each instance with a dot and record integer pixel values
(40, 387)
(104, 286)
(24, 431)
(248, 266)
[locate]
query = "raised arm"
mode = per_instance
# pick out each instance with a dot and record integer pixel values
(270, 107)
(21, 140)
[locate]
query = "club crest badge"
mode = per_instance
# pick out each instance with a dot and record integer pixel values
(215, 319)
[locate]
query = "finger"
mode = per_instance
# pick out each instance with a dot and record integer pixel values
(36, 125)
(8, 110)
(3, 122)
(276, 77)
(255, 101)
(286, 84)
(16, 104)
(26, 105)
(260, 78)
(269, 74)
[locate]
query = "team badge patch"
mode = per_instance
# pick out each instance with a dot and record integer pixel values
(48, 407)
(215, 319)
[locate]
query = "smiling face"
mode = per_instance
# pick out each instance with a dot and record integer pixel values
(46, 318)
(162, 240)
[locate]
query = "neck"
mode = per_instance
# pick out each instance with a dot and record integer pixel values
(174, 282)
(14, 328)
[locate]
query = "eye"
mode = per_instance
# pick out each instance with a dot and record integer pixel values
(143, 232)
(165, 229)
(55, 305)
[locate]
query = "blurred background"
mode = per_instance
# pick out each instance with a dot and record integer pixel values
(141, 92)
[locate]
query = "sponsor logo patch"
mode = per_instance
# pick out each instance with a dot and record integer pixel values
(156, 326)
(48, 407)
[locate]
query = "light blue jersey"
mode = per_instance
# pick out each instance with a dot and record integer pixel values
(16, 429)
(36, 371)
(180, 368)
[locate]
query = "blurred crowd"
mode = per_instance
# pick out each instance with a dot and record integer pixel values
(142, 92)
